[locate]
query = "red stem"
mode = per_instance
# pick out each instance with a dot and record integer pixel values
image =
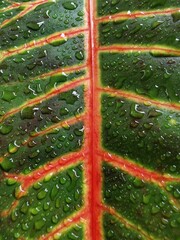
(95, 126)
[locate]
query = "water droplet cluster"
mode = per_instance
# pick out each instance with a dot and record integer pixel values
(106, 7)
(41, 58)
(143, 74)
(141, 132)
(157, 30)
(116, 229)
(140, 96)
(74, 233)
(143, 204)
(46, 204)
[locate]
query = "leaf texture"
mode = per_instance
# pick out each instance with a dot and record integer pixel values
(89, 120)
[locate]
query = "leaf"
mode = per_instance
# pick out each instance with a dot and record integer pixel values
(89, 120)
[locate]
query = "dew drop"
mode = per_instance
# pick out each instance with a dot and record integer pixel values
(5, 129)
(27, 113)
(34, 25)
(70, 5)
(42, 194)
(39, 224)
(79, 55)
(8, 96)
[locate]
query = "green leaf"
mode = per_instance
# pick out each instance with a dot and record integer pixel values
(89, 120)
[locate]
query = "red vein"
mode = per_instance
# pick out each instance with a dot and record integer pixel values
(58, 36)
(6, 212)
(28, 7)
(11, 7)
(136, 14)
(87, 162)
(57, 165)
(56, 126)
(56, 72)
(76, 218)
(95, 132)
(91, 103)
(127, 223)
(140, 99)
(87, 175)
(50, 94)
(135, 48)
(136, 170)
(52, 167)
(1, 159)
(68, 69)
(174, 201)
(49, 129)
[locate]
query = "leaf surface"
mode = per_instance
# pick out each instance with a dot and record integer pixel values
(89, 120)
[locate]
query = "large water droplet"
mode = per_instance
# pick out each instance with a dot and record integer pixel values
(70, 5)
(34, 25)
(8, 95)
(5, 129)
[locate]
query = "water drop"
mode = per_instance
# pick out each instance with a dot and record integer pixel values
(34, 25)
(27, 113)
(5, 129)
(8, 95)
(42, 194)
(39, 224)
(79, 55)
(70, 5)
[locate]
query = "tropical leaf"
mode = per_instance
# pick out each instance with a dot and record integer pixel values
(89, 119)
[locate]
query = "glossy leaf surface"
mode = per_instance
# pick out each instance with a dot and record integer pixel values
(89, 120)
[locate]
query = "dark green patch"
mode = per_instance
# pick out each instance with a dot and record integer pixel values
(13, 95)
(157, 30)
(145, 134)
(76, 232)
(116, 230)
(33, 119)
(43, 149)
(176, 16)
(47, 204)
(4, 4)
(7, 193)
(31, 64)
(8, 15)
(106, 7)
(46, 19)
(143, 74)
(173, 188)
(144, 204)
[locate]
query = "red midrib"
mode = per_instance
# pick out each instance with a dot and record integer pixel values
(95, 131)
(92, 152)
(95, 125)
